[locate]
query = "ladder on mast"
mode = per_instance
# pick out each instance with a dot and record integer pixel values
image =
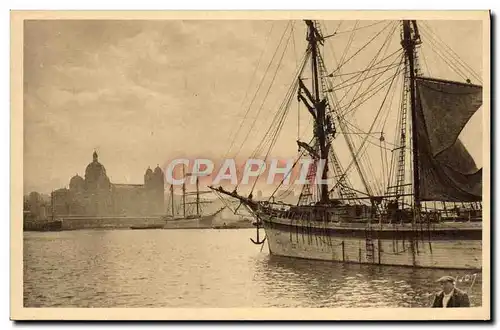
(398, 188)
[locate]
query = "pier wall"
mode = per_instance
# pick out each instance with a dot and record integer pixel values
(73, 223)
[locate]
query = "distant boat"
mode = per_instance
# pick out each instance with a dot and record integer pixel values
(193, 221)
(196, 219)
(147, 227)
(43, 225)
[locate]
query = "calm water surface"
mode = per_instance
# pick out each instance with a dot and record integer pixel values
(207, 268)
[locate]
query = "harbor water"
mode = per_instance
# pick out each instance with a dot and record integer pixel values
(209, 268)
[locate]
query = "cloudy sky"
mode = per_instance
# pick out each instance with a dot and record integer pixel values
(144, 92)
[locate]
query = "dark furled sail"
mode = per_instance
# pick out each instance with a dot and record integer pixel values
(447, 170)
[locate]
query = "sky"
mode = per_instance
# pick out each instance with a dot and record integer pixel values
(142, 92)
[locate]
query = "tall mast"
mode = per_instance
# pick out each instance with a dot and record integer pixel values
(408, 44)
(184, 192)
(313, 37)
(52, 205)
(197, 198)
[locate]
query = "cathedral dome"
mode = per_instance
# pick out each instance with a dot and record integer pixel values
(158, 171)
(159, 176)
(156, 178)
(76, 183)
(148, 175)
(95, 174)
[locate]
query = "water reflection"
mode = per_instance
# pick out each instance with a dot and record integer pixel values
(206, 268)
(326, 284)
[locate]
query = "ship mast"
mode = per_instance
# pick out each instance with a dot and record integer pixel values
(197, 198)
(409, 41)
(314, 37)
(172, 199)
(52, 204)
(184, 192)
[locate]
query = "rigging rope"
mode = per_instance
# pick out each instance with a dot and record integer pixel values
(293, 87)
(267, 93)
(259, 86)
(351, 148)
(367, 70)
(362, 71)
(348, 45)
(278, 130)
(372, 125)
(361, 132)
(248, 89)
(385, 167)
(340, 86)
(400, 128)
(280, 114)
(451, 52)
(348, 109)
(288, 173)
(338, 27)
(359, 28)
(371, 64)
(435, 48)
(346, 93)
(363, 47)
(286, 107)
(382, 160)
(332, 95)
(390, 104)
(296, 64)
(382, 148)
(428, 70)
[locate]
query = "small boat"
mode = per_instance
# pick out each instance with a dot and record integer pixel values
(43, 225)
(192, 215)
(147, 227)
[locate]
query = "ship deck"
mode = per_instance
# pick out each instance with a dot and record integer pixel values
(439, 231)
(445, 225)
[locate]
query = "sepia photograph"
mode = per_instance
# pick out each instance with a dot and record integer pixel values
(309, 162)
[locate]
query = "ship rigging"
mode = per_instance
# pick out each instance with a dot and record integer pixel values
(431, 177)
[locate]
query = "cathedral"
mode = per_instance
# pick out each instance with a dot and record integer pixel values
(94, 195)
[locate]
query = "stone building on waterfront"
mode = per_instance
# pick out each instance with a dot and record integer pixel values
(36, 206)
(95, 195)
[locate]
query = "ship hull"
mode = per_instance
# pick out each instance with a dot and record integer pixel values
(43, 226)
(446, 246)
(203, 222)
(194, 223)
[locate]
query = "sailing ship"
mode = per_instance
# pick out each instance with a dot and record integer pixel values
(192, 215)
(429, 213)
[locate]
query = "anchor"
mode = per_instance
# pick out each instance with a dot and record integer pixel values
(258, 241)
